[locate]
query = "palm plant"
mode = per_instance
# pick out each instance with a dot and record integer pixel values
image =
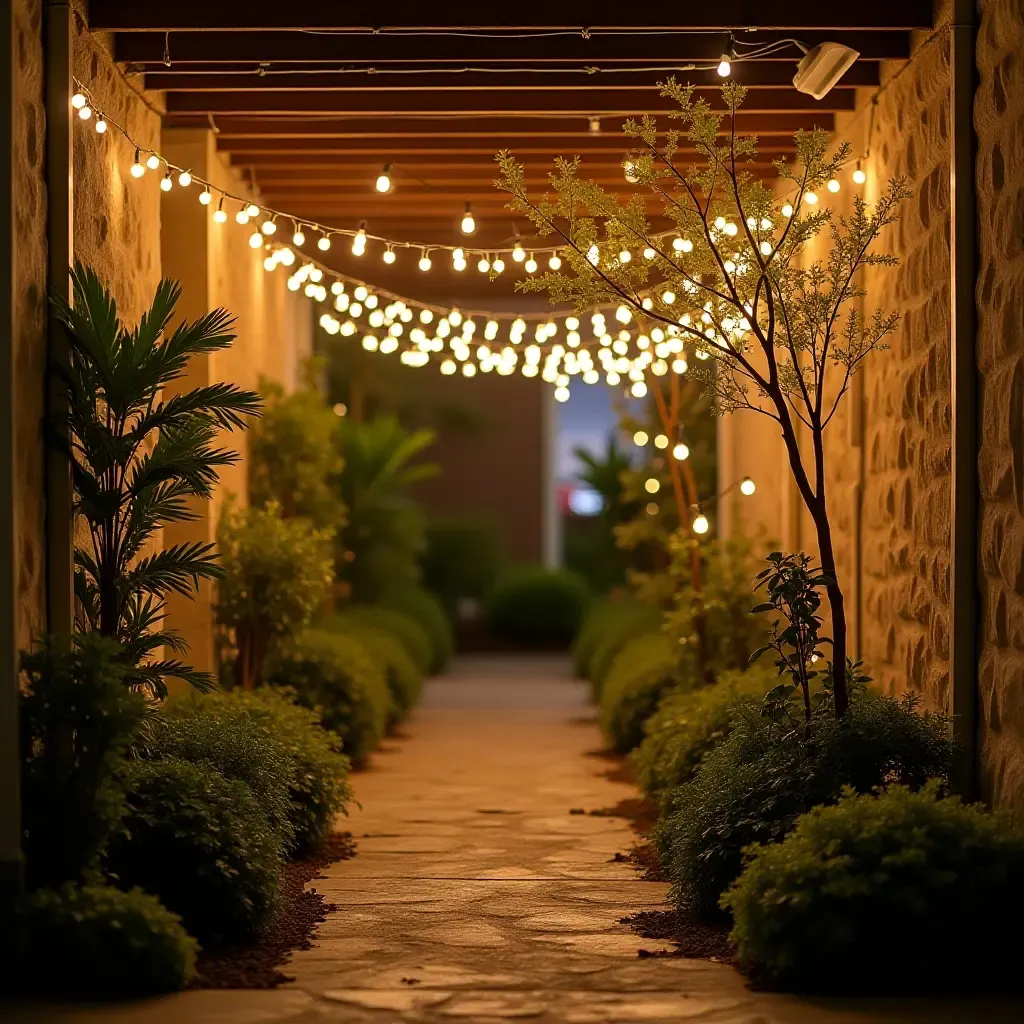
(138, 459)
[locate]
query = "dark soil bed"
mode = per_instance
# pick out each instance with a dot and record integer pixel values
(301, 911)
(690, 937)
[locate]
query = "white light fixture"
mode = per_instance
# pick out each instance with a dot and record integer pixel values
(468, 225)
(700, 523)
(821, 68)
(383, 182)
(859, 177)
(747, 486)
(184, 179)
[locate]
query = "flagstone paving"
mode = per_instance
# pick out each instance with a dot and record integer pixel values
(478, 896)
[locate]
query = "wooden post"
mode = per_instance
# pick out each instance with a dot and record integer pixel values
(965, 592)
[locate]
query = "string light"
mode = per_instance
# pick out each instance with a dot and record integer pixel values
(518, 253)
(242, 217)
(359, 242)
(555, 262)
(383, 182)
(811, 198)
(137, 168)
(652, 485)
(700, 523)
(152, 161)
(640, 438)
(252, 210)
(219, 214)
(165, 183)
(206, 196)
(530, 266)
(78, 100)
(833, 185)
(85, 113)
(255, 240)
(424, 263)
(185, 179)
(468, 225)
(101, 125)
(323, 243)
(747, 486)
(388, 256)
(268, 227)
(298, 236)
(680, 452)
(859, 177)
(787, 209)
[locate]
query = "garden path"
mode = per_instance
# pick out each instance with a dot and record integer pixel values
(478, 895)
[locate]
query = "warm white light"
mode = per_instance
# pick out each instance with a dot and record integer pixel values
(555, 262)
(219, 216)
(724, 66)
(85, 113)
(562, 394)
(323, 243)
(498, 265)
(530, 266)
(255, 240)
(661, 441)
(668, 297)
(833, 185)
(811, 198)
(518, 254)
(359, 242)
(184, 179)
(572, 323)
(640, 438)
(468, 225)
(625, 256)
(152, 161)
(787, 210)
(101, 125)
(78, 101)
(298, 237)
(383, 182)
(639, 389)
(652, 485)
(629, 171)
(242, 217)
(388, 256)
(701, 524)
(448, 367)
(137, 169)
(766, 248)
(205, 197)
(483, 265)
(649, 253)
(253, 210)
(165, 183)
(593, 255)
(424, 263)
(268, 227)
(681, 452)
(747, 486)
(859, 177)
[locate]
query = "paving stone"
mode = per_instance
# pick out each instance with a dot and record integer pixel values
(388, 999)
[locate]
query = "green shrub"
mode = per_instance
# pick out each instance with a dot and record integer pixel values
(604, 614)
(409, 633)
(96, 942)
(337, 677)
(643, 672)
(538, 606)
(755, 785)
(201, 844)
(77, 719)
(633, 619)
(896, 891)
(218, 732)
(460, 561)
(423, 607)
(690, 723)
(405, 680)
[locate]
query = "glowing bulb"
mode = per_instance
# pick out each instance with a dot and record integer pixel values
(388, 256)
(323, 243)
(424, 263)
(152, 161)
(360, 293)
(253, 210)
(165, 183)
(766, 248)
(661, 441)
(205, 197)
(555, 262)
(572, 323)
(78, 101)
(518, 254)
(448, 367)
(747, 486)
(668, 297)
(268, 227)
(700, 523)
(242, 217)
(101, 125)
(787, 210)
(625, 256)
(530, 266)
(468, 225)
(184, 179)
(359, 242)
(629, 171)
(652, 485)
(811, 198)
(561, 394)
(649, 253)
(639, 389)
(724, 66)
(681, 452)
(219, 216)
(593, 255)
(483, 265)
(383, 182)
(640, 438)
(255, 240)
(498, 265)
(859, 177)
(85, 113)
(298, 237)
(833, 185)
(137, 169)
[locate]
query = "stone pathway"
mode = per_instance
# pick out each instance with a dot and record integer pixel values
(477, 896)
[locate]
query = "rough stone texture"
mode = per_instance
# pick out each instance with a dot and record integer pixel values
(29, 339)
(999, 119)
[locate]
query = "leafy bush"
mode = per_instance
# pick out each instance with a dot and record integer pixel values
(77, 719)
(405, 629)
(219, 732)
(405, 680)
(602, 614)
(899, 890)
(202, 845)
(632, 619)
(337, 677)
(460, 560)
(277, 573)
(423, 607)
(754, 786)
(690, 723)
(538, 606)
(97, 942)
(643, 672)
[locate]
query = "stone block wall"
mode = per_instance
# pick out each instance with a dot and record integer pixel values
(999, 121)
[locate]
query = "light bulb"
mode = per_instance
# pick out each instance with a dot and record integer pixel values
(649, 253)
(468, 225)
(572, 323)
(205, 197)
(165, 183)
(681, 452)
(668, 297)
(268, 227)
(518, 254)
(640, 438)
(639, 389)
(152, 161)
(298, 237)
(459, 265)
(483, 265)
(323, 243)
(724, 66)
(629, 172)
(833, 185)
(498, 265)
(424, 263)
(360, 293)
(787, 210)
(661, 441)
(255, 240)
(811, 198)
(747, 486)
(859, 177)
(652, 485)
(253, 210)
(625, 256)
(388, 256)
(593, 255)
(555, 262)
(78, 101)
(383, 182)
(359, 242)
(700, 523)
(184, 179)
(766, 248)
(137, 168)
(242, 217)
(101, 125)
(530, 266)
(219, 215)
(85, 113)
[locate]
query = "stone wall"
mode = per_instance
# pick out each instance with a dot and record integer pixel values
(999, 120)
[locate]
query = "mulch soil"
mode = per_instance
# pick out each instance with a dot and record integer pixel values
(690, 937)
(301, 911)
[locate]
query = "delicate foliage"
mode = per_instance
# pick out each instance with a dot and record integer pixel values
(140, 450)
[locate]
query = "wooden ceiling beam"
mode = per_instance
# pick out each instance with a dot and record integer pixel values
(185, 48)
(326, 15)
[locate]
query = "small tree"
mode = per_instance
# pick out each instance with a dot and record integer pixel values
(784, 337)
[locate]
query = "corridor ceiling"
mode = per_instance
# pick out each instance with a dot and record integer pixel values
(310, 100)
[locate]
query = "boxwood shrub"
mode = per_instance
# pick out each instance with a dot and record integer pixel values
(604, 614)
(645, 669)
(202, 845)
(337, 677)
(537, 606)
(412, 637)
(633, 619)
(754, 786)
(95, 942)
(425, 608)
(896, 891)
(688, 724)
